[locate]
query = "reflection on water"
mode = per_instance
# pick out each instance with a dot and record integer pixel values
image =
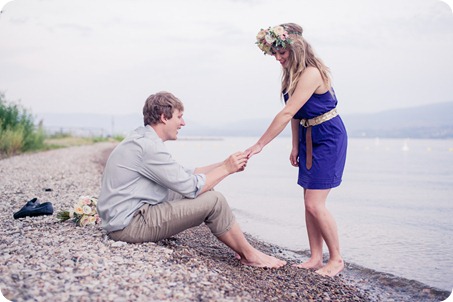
(393, 209)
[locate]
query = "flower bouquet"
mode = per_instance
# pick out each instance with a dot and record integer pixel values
(83, 213)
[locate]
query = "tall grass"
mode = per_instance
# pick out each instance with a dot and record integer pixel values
(17, 130)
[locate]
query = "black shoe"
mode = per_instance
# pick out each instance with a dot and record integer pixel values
(32, 203)
(34, 208)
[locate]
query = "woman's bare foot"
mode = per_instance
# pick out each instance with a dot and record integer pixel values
(310, 264)
(259, 259)
(332, 268)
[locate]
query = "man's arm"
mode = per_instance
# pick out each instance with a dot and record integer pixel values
(205, 170)
(215, 173)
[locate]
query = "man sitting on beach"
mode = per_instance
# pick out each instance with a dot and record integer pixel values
(147, 196)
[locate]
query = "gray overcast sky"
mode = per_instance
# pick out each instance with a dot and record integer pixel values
(107, 56)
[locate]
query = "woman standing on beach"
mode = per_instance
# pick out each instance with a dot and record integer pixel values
(319, 138)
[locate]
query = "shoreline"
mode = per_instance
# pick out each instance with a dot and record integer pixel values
(44, 259)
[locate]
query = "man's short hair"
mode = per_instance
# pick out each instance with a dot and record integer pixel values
(160, 103)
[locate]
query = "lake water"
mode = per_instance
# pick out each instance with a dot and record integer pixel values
(394, 208)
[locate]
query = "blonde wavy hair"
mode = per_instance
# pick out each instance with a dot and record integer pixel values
(301, 56)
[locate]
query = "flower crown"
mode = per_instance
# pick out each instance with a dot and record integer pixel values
(276, 36)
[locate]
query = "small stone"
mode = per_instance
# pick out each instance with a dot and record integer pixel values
(118, 244)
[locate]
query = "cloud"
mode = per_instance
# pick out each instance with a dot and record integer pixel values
(108, 56)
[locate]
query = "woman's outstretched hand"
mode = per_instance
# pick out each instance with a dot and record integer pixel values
(255, 149)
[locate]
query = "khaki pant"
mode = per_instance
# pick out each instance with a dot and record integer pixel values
(157, 222)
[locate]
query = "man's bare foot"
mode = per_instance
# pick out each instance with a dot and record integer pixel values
(332, 268)
(310, 264)
(260, 259)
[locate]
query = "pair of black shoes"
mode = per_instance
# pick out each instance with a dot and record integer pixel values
(34, 208)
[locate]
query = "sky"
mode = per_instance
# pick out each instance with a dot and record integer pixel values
(108, 56)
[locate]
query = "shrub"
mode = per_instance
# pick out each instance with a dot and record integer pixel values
(17, 130)
(11, 141)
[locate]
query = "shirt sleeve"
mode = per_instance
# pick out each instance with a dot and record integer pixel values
(159, 166)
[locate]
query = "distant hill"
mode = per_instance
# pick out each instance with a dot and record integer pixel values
(86, 124)
(430, 121)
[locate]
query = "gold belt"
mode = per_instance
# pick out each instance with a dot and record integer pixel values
(308, 123)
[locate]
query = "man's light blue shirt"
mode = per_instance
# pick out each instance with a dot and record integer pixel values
(140, 170)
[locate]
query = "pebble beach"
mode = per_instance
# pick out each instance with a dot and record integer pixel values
(43, 259)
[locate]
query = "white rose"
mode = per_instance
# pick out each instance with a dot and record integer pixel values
(269, 39)
(278, 30)
(87, 210)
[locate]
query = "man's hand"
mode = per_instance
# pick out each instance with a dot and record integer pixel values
(216, 172)
(236, 162)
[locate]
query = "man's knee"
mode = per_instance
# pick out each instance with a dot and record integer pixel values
(220, 218)
(217, 199)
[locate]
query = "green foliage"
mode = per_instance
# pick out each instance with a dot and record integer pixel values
(59, 135)
(17, 130)
(118, 138)
(11, 141)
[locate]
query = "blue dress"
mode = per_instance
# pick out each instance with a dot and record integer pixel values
(329, 141)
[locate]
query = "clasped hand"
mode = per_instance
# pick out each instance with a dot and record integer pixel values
(236, 162)
(253, 150)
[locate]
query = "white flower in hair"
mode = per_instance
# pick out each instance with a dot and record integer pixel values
(279, 31)
(276, 37)
(269, 39)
